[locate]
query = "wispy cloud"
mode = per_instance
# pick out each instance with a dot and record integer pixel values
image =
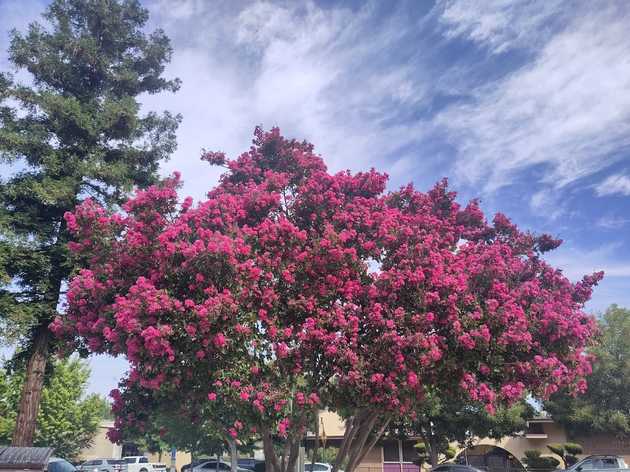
(500, 25)
(611, 222)
(549, 203)
(614, 184)
(321, 74)
(577, 261)
(561, 116)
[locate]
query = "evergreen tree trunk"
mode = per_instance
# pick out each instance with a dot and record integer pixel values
(31, 395)
(32, 390)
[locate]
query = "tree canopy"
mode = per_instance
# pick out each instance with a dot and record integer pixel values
(292, 289)
(73, 129)
(68, 419)
(605, 406)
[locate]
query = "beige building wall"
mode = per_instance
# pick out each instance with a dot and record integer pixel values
(373, 461)
(517, 446)
(102, 447)
(181, 459)
(332, 424)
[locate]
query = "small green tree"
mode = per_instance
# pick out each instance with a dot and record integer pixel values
(67, 420)
(75, 131)
(443, 419)
(326, 455)
(536, 462)
(605, 407)
(567, 452)
(445, 453)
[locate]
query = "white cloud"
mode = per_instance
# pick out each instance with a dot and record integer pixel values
(562, 115)
(15, 14)
(611, 222)
(576, 261)
(548, 203)
(320, 74)
(499, 25)
(613, 184)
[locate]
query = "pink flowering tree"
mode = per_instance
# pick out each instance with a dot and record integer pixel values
(291, 289)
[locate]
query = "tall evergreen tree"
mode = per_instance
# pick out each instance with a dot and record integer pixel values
(75, 131)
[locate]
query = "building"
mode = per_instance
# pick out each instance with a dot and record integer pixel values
(487, 454)
(398, 455)
(101, 446)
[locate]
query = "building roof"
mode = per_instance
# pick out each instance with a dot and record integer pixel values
(24, 457)
(541, 419)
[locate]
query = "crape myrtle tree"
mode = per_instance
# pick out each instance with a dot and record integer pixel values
(291, 289)
(75, 130)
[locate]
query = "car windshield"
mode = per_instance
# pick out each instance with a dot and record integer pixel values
(60, 465)
(315, 467)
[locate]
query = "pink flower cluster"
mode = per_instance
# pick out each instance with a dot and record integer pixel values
(288, 276)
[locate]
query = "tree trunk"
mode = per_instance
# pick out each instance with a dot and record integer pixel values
(433, 453)
(36, 367)
(372, 443)
(233, 455)
(316, 445)
(355, 444)
(271, 461)
(32, 390)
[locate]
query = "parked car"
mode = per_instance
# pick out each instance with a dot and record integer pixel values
(450, 467)
(597, 463)
(196, 462)
(317, 467)
(214, 466)
(142, 464)
(102, 465)
(57, 464)
(250, 464)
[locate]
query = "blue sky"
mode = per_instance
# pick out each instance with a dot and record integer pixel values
(525, 104)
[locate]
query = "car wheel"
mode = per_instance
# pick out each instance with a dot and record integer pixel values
(143, 470)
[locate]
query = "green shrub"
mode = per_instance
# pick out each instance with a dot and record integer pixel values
(539, 463)
(573, 449)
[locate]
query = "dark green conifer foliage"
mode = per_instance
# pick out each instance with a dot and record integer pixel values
(75, 130)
